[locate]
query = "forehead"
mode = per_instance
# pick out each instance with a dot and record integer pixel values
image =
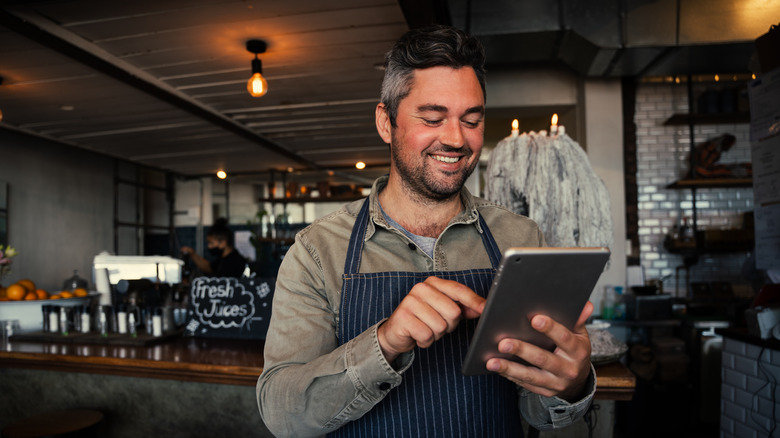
(442, 85)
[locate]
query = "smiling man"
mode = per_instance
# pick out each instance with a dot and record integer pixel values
(375, 304)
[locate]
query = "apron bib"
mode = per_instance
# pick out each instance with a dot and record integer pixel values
(434, 398)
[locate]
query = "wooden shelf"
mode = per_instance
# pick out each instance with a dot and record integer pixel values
(707, 119)
(698, 183)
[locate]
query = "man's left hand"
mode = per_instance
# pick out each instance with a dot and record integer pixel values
(561, 372)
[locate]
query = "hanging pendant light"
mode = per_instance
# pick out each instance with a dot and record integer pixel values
(257, 85)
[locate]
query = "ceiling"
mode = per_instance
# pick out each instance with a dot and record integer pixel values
(163, 83)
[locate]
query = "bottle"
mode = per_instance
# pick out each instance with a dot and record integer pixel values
(103, 321)
(620, 304)
(54, 319)
(157, 322)
(64, 326)
(608, 306)
(121, 319)
(86, 319)
(131, 324)
(46, 310)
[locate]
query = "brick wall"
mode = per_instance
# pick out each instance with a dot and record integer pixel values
(749, 378)
(662, 158)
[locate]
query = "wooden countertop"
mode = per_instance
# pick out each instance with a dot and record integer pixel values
(614, 381)
(234, 362)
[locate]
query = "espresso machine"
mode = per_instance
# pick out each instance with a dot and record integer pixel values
(142, 286)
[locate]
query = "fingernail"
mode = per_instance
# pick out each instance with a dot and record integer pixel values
(538, 322)
(492, 365)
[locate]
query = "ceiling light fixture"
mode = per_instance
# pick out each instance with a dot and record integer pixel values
(257, 85)
(221, 174)
(360, 165)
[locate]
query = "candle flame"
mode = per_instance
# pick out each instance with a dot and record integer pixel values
(515, 124)
(555, 119)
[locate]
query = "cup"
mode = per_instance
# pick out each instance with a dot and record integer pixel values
(8, 327)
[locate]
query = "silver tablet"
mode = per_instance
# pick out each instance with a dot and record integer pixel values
(556, 282)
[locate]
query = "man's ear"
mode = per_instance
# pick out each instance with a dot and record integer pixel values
(383, 123)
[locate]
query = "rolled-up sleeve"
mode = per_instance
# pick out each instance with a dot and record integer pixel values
(310, 385)
(545, 413)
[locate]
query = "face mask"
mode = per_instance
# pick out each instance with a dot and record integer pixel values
(215, 251)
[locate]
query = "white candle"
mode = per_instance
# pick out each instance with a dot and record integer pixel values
(561, 130)
(554, 125)
(515, 128)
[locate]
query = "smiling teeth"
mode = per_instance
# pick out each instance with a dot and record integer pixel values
(446, 159)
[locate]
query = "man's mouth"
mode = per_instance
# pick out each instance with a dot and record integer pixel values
(444, 159)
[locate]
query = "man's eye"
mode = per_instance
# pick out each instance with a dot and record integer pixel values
(431, 122)
(472, 124)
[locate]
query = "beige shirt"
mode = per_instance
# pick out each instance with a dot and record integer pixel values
(310, 385)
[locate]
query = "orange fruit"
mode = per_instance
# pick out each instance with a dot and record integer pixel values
(4, 299)
(42, 294)
(16, 292)
(55, 297)
(28, 284)
(80, 292)
(29, 296)
(3, 293)
(66, 294)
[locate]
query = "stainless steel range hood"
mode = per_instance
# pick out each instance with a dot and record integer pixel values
(613, 38)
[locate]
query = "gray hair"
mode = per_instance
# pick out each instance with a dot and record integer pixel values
(431, 46)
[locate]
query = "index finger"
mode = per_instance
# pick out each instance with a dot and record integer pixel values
(472, 304)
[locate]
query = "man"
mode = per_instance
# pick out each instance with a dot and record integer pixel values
(227, 262)
(375, 304)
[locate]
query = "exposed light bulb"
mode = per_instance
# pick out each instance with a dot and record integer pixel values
(257, 85)
(360, 165)
(221, 174)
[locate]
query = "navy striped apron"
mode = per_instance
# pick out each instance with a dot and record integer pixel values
(434, 398)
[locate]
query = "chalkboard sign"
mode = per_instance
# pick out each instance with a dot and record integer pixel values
(226, 307)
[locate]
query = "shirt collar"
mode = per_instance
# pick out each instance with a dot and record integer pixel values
(469, 214)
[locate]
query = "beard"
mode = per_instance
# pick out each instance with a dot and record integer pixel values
(425, 183)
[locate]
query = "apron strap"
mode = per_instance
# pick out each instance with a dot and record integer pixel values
(355, 248)
(490, 243)
(356, 240)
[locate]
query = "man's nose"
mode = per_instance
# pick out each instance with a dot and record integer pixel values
(453, 135)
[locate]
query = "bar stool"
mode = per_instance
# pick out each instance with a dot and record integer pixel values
(62, 424)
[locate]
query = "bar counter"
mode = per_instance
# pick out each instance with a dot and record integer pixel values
(226, 361)
(180, 387)
(235, 362)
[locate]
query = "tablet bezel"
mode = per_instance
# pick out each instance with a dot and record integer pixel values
(556, 282)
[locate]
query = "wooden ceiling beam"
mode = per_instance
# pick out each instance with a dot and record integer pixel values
(63, 41)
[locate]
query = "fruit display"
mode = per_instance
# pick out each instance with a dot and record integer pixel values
(25, 290)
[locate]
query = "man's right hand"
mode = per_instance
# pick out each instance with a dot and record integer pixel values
(430, 310)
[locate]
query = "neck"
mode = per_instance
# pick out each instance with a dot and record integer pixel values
(418, 215)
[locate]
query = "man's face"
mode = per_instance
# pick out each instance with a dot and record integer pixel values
(439, 132)
(213, 242)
